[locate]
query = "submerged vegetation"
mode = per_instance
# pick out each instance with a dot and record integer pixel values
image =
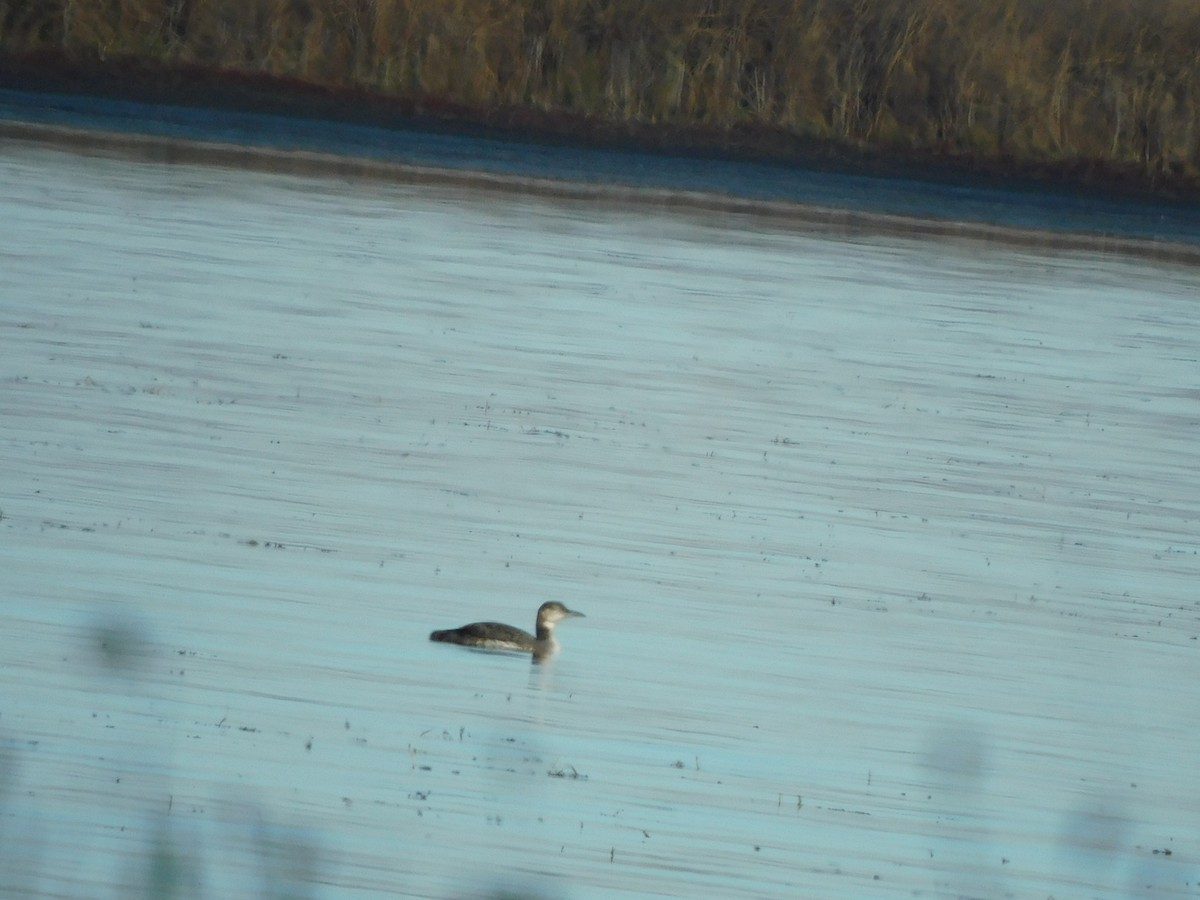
(1084, 87)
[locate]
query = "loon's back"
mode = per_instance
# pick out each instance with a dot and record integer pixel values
(489, 635)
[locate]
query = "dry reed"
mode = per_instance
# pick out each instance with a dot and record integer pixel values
(1112, 83)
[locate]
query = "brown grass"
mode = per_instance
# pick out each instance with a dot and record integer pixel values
(1110, 83)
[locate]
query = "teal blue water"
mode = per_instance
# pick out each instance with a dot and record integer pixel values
(887, 549)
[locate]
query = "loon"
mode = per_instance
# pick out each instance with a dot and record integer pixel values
(495, 636)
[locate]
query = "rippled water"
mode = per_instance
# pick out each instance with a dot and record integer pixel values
(888, 549)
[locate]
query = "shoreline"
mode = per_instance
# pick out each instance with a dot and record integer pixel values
(270, 123)
(203, 85)
(798, 216)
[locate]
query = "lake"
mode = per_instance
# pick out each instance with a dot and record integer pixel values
(888, 547)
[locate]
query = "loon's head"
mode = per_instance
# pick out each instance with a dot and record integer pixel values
(549, 614)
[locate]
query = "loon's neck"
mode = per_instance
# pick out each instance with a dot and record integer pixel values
(545, 646)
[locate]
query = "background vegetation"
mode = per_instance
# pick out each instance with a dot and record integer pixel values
(1109, 86)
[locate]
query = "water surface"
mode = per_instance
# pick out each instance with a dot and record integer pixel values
(887, 548)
